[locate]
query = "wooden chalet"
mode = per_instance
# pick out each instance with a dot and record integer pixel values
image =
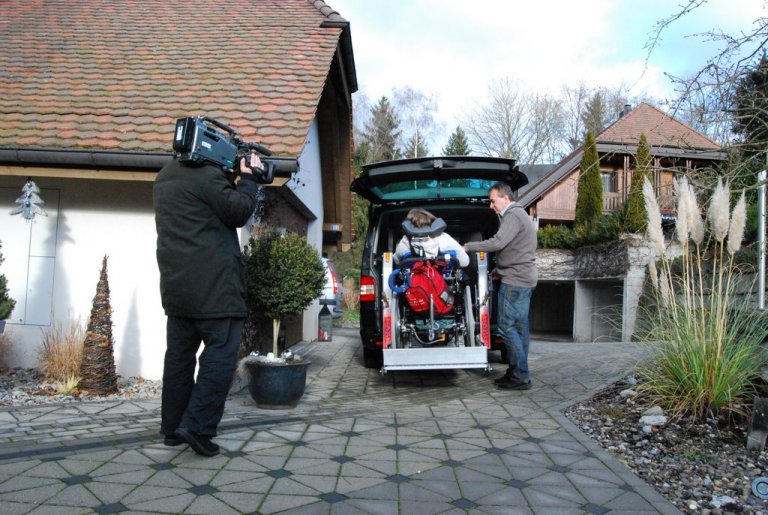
(675, 147)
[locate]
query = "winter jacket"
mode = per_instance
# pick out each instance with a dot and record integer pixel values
(197, 213)
(431, 247)
(515, 247)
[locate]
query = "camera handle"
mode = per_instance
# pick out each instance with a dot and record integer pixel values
(261, 149)
(218, 124)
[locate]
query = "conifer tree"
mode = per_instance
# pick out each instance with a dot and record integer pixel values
(589, 197)
(416, 146)
(381, 133)
(458, 145)
(636, 218)
(594, 114)
(98, 367)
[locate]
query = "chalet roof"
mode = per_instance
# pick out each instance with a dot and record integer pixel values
(666, 136)
(100, 74)
(661, 130)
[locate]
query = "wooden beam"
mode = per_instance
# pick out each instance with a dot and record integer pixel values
(333, 227)
(85, 173)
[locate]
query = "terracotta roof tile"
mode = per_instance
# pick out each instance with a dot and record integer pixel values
(661, 130)
(116, 75)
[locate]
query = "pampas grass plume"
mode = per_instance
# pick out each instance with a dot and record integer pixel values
(738, 222)
(654, 274)
(655, 233)
(683, 230)
(719, 211)
(695, 222)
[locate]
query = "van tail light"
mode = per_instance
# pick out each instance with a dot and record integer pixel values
(387, 328)
(335, 280)
(367, 289)
(485, 326)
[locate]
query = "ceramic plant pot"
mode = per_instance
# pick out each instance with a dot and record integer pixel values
(276, 385)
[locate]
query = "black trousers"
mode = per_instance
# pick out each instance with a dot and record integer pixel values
(197, 404)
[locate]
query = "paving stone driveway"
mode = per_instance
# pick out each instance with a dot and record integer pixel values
(404, 443)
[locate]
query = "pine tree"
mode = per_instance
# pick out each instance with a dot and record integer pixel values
(751, 107)
(458, 145)
(381, 133)
(589, 197)
(98, 367)
(6, 302)
(416, 146)
(594, 114)
(636, 218)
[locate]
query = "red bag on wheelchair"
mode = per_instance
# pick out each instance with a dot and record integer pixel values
(426, 280)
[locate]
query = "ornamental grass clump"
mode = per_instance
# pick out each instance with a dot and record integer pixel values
(705, 341)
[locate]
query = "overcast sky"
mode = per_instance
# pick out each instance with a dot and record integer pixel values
(455, 49)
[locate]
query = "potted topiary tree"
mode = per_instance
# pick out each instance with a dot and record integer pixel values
(6, 302)
(283, 275)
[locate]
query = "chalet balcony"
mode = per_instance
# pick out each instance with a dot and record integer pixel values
(612, 202)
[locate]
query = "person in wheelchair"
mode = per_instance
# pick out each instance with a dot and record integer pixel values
(430, 281)
(425, 236)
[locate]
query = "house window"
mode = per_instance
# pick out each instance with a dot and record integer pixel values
(609, 182)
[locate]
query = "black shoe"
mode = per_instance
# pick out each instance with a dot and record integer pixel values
(515, 385)
(172, 441)
(503, 379)
(201, 444)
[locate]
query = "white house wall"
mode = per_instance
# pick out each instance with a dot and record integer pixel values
(52, 263)
(92, 219)
(309, 189)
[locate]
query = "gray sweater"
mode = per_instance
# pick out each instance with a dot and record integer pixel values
(515, 247)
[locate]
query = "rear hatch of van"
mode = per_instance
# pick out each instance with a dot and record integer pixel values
(454, 188)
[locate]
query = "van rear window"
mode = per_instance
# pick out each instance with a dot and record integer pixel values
(432, 189)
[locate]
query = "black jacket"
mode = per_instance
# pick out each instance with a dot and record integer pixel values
(197, 213)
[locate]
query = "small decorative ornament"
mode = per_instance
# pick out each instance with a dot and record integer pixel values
(760, 487)
(29, 202)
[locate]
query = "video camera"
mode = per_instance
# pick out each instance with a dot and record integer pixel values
(198, 141)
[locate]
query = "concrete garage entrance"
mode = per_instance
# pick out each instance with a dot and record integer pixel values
(598, 310)
(578, 310)
(551, 314)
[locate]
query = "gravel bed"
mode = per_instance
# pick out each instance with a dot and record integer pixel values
(26, 386)
(703, 468)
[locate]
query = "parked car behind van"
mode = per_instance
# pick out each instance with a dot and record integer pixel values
(454, 188)
(332, 289)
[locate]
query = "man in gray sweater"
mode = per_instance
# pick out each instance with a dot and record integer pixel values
(515, 247)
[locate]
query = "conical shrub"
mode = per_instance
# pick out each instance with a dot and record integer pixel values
(98, 367)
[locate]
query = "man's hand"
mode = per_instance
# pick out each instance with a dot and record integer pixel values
(255, 163)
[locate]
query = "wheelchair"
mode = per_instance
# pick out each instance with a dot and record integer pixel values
(441, 319)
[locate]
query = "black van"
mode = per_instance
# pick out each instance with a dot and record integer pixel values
(454, 188)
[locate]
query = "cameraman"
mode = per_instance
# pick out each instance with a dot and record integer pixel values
(197, 212)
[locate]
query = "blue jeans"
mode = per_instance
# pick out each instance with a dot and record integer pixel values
(512, 320)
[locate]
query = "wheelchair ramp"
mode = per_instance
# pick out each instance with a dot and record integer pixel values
(435, 358)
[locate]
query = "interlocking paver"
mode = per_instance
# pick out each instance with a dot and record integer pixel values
(358, 442)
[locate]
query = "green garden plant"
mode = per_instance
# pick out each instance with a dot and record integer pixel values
(636, 218)
(283, 275)
(6, 302)
(589, 196)
(705, 341)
